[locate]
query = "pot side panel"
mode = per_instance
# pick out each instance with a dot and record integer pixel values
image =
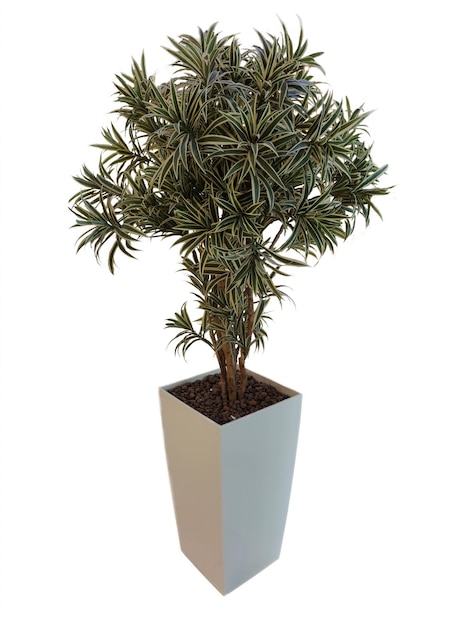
(192, 444)
(258, 458)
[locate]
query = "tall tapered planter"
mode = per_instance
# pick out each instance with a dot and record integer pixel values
(231, 484)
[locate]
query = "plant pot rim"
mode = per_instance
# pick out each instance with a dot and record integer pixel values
(287, 390)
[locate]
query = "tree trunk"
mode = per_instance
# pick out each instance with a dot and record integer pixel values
(221, 361)
(243, 377)
(231, 368)
(232, 358)
(249, 324)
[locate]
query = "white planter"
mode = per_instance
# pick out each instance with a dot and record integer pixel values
(231, 484)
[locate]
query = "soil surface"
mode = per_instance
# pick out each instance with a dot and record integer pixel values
(205, 396)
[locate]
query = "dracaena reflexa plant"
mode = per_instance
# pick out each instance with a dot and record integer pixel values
(244, 159)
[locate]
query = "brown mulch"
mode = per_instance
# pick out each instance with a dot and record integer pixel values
(205, 396)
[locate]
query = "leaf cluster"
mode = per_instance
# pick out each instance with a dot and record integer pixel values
(245, 160)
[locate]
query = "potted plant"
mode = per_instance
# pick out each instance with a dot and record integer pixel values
(249, 163)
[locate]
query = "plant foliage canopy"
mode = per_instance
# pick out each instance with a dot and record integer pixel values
(247, 162)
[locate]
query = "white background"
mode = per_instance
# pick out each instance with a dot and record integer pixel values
(378, 342)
